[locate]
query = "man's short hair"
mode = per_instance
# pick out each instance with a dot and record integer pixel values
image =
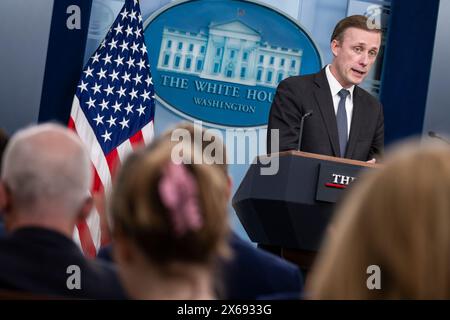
(46, 163)
(355, 21)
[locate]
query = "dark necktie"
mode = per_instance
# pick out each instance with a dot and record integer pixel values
(341, 118)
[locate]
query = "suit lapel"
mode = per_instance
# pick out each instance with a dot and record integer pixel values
(357, 121)
(323, 97)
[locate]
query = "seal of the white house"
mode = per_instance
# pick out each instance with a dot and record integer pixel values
(220, 61)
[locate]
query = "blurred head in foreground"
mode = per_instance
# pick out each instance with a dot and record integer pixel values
(169, 223)
(45, 179)
(392, 233)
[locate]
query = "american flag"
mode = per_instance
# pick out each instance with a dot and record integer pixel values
(112, 111)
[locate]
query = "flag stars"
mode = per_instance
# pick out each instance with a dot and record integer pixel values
(106, 136)
(99, 119)
(144, 49)
(121, 92)
(126, 77)
(132, 15)
(90, 103)
(148, 81)
(101, 74)
(118, 29)
(137, 79)
(114, 75)
(104, 104)
(129, 31)
(133, 94)
(141, 110)
(83, 86)
(96, 88)
(109, 90)
(96, 57)
(135, 47)
(129, 108)
(119, 60)
(124, 14)
(130, 62)
(111, 121)
(124, 45)
(116, 107)
(145, 95)
(113, 44)
(107, 59)
(88, 72)
(141, 64)
(124, 123)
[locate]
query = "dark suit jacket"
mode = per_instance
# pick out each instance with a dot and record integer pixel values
(35, 260)
(256, 274)
(252, 273)
(297, 95)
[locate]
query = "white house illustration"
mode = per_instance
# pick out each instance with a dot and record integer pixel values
(231, 52)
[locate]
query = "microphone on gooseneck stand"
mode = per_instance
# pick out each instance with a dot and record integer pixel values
(302, 122)
(433, 134)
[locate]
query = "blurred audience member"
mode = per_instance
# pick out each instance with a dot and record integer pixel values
(46, 175)
(250, 273)
(392, 235)
(169, 224)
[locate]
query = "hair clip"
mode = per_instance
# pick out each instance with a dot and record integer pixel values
(179, 193)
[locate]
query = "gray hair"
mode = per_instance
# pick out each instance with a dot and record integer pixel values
(47, 164)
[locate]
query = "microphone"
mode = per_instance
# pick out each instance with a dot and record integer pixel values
(433, 134)
(300, 135)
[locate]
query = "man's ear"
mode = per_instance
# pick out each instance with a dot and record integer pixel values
(85, 209)
(335, 46)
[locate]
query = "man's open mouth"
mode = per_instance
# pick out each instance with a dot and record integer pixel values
(359, 72)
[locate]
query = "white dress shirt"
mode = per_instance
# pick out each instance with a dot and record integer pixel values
(335, 87)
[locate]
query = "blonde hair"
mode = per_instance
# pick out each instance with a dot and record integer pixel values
(397, 218)
(139, 213)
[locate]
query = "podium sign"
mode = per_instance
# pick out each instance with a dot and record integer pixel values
(333, 180)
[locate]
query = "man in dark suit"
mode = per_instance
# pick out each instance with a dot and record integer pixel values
(253, 273)
(45, 178)
(346, 121)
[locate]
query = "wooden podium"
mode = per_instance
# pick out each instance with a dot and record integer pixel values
(291, 209)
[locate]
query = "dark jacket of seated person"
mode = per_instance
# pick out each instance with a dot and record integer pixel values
(251, 274)
(38, 261)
